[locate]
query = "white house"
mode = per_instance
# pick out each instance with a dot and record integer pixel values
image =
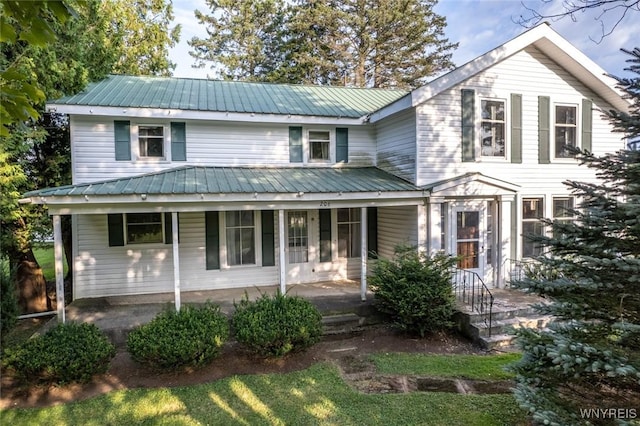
(184, 184)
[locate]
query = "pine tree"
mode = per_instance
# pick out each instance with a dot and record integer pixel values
(589, 358)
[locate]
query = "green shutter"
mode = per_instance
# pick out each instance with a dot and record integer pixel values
(587, 124)
(122, 135)
(178, 142)
(516, 128)
(544, 130)
(268, 239)
(342, 145)
(372, 232)
(468, 125)
(168, 228)
(295, 144)
(212, 240)
(115, 224)
(325, 235)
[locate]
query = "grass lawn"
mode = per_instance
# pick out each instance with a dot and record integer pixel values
(44, 254)
(316, 396)
(462, 366)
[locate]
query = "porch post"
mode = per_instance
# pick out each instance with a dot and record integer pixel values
(435, 224)
(281, 252)
(422, 228)
(364, 253)
(57, 252)
(505, 239)
(176, 258)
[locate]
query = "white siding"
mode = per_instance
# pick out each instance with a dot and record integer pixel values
(396, 225)
(101, 270)
(530, 74)
(208, 144)
(396, 152)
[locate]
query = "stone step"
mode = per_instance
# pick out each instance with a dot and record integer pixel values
(504, 326)
(497, 341)
(501, 313)
(342, 324)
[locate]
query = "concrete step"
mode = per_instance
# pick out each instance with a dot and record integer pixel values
(497, 341)
(342, 324)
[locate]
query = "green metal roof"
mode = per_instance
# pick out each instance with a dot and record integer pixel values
(231, 96)
(207, 180)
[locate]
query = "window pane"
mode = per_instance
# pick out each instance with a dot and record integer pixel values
(248, 248)
(532, 208)
(355, 241)
(468, 251)
(343, 215)
(562, 207)
(319, 150)
(492, 110)
(151, 131)
(234, 247)
(343, 240)
(529, 248)
(144, 228)
(468, 225)
(319, 136)
(232, 219)
(565, 114)
(565, 138)
(246, 218)
(151, 141)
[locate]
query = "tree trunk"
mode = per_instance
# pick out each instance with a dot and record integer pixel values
(32, 287)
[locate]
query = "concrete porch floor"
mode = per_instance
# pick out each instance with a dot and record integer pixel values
(117, 315)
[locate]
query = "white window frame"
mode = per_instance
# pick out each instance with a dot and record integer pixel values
(257, 241)
(166, 147)
(331, 145)
(524, 220)
(577, 128)
(352, 223)
(126, 229)
(507, 118)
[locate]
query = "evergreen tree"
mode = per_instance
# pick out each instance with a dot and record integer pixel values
(589, 358)
(362, 43)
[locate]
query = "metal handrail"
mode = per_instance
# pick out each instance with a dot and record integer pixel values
(471, 290)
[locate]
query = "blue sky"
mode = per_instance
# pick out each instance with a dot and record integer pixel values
(478, 25)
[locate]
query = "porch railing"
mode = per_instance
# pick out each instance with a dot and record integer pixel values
(516, 270)
(472, 291)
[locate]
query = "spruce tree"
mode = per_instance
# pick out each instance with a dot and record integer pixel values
(589, 357)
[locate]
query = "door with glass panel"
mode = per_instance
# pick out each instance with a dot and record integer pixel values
(300, 249)
(472, 238)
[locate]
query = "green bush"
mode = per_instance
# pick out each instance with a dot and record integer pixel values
(415, 290)
(68, 352)
(191, 337)
(8, 300)
(275, 326)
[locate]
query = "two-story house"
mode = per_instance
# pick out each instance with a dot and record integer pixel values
(184, 184)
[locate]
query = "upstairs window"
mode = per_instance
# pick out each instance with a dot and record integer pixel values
(144, 228)
(493, 128)
(565, 130)
(319, 145)
(151, 141)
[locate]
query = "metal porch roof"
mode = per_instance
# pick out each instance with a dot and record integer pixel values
(239, 180)
(231, 96)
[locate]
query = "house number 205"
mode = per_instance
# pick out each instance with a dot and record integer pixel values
(325, 203)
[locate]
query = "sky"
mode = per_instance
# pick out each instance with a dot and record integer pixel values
(477, 25)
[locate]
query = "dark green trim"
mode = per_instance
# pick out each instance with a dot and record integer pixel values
(342, 145)
(212, 239)
(268, 238)
(168, 228)
(295, 144)
(122, 138)
(115, 225)
(178, 142)
(544, 130)
(587, 124)
(325, 235)
(516, 128)
(468, 125)
(372, 232)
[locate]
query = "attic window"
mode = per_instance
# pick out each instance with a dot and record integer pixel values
(151, 139)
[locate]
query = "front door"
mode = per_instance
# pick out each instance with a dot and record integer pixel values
(301, 246)
(472, 239)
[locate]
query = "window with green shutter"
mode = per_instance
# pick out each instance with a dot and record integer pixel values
(342, 145)
(178, 142)
(295, 145)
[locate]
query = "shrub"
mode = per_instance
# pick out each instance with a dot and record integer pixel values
(275, 326)
(191, 337)
(68, 352)
(415, 290)
(8, 300)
